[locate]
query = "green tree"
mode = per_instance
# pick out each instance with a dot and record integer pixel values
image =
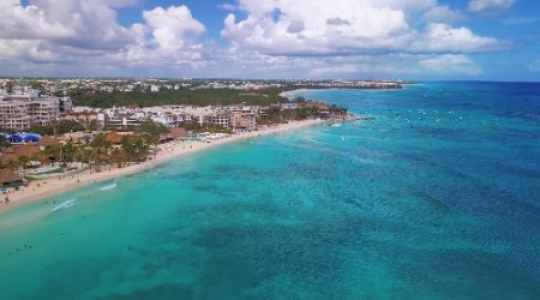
(99, 150)
(66, 126)
(42, 129)
(68, 152)
(23, 161)
(3, 142)
(152, 127)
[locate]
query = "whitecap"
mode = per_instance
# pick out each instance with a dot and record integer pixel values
(65, 205)
(108, 187)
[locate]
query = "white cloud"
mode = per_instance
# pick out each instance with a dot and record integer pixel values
(172, 26)
(268, 38)
(441, 14)
(534, 66)
(450, 64)
(316, 27)
(489, 6)
(441, 38)
(339, 27)
(64, 31)
(227, 6)
(79, 24)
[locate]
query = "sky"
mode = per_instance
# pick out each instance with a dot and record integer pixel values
(272, 39)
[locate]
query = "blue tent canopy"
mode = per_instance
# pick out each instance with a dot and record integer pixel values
(22, 137)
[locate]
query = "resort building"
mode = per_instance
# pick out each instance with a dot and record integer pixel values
(20, 111)
(222, 119)
(243, 122)
(83, 117)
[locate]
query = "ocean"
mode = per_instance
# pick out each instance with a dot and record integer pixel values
(435, 195)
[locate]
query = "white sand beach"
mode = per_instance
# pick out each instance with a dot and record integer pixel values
(49, 187)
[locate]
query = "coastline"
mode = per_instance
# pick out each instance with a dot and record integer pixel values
(51, 187)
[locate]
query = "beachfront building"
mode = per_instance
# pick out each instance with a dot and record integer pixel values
(243, 122)
(221, 119)
(83, 117)
(20, 111)
(235, 121)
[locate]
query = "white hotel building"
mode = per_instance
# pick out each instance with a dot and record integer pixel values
(20, 111)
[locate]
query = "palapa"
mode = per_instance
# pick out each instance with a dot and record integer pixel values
(178, 132)
(114, 137)
(48, 141)
(26, 150)
(7, 157)
(7, 177)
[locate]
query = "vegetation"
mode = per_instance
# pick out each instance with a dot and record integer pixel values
(196, 97)
(93, 153)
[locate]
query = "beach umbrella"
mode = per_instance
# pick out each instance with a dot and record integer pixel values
(26, 150)
(8, 158)
(114, 137)
(48, 141)
(178, 132)
(7, 177)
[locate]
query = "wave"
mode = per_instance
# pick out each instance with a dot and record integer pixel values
(65, 205)
(108, 187)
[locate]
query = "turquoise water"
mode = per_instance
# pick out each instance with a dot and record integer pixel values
(437, 197)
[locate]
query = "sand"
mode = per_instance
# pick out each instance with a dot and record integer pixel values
(50, 187)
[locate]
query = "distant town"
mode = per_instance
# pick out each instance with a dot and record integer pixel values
(26, 104)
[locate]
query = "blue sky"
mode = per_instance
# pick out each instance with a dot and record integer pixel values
(349, 39)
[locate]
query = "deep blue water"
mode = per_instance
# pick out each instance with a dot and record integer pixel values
(435, 196)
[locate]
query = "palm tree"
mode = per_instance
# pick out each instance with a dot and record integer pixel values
(36, 156)
(22, 161)
(141, 149)
(68, 152)
(100, 148)
(127, 147)
(13, 165)
(153, 139)
(117, 157)
(86, 157)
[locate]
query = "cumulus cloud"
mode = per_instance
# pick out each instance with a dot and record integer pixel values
(64, 31)
(441, 38)
(79, 24)
(450, 64)
(277, 38)
(172, 26)
(489, 6)
(349, 27)
(316, 27)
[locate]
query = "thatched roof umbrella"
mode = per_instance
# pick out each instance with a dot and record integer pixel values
(7, 177)
(48, 141)
(29, 151)
(7, 157)
(114, 137)
(178, 132)
(26, 150)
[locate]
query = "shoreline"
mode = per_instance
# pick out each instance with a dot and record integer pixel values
(46, 188)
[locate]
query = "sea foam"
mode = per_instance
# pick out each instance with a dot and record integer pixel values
(108, 187)
(65, 205)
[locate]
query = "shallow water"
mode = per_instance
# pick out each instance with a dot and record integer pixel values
(436, 198)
